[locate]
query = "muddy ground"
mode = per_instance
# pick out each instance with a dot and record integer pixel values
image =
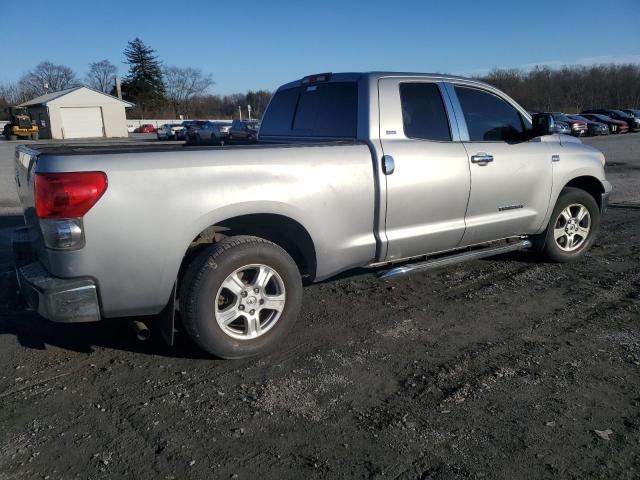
(505, 368)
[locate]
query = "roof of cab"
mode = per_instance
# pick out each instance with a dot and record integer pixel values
(376, 75)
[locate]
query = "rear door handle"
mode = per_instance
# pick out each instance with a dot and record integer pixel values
(388, 164)
(481, 158)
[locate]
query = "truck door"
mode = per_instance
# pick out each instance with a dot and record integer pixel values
(511, 175)
(425, 166)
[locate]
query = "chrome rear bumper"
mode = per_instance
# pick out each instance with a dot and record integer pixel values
(69, 300)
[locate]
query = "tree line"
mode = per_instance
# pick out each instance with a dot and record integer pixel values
(157, 90)
(570, 89)
(161, 91)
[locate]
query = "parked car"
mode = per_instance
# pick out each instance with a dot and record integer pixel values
(593, 128)
(168, 131)
(634, 123)
(191, 128)
(562, 127)
(632, 111)
(145, 128)
(615, 126)
(578, 127)
(211, 131)
(344, 179)
(244, 130)
(224, 128)
(186, 133)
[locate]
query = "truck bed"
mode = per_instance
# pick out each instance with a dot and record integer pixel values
(160, 199)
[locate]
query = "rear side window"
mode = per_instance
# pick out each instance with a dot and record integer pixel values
(321, 110)
(488, 117)
(423, 112)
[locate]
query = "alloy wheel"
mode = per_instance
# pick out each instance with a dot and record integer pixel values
(250, 301)
(572, 227)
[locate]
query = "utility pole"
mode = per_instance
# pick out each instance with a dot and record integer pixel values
(240, 111)
(118, 88)
(249, 110)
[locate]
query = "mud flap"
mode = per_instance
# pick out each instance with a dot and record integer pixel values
(167, 318)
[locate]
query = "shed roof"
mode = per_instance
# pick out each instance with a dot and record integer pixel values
(50, 97)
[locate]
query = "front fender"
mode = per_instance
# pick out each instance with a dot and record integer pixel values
(576, 160)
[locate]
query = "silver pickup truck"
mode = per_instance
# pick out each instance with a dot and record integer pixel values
(399, 172)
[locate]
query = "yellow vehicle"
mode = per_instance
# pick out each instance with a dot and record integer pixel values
(20, 125)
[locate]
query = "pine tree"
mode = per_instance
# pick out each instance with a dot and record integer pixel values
(143, 84)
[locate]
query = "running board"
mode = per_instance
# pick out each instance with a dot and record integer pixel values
(458, 258)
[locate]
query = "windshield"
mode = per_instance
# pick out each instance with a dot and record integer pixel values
(621, 113)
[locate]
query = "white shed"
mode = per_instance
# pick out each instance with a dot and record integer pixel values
(79, 112)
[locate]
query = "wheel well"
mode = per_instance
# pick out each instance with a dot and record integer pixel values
(281, 230)
(590, 185)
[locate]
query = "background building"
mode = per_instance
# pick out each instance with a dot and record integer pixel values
(79, 112)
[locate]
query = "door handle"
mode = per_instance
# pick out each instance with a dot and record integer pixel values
(481, 158)
(388, 164)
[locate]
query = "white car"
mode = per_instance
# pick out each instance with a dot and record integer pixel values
(169, 131)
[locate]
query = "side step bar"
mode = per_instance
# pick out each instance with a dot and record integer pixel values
(458, 258)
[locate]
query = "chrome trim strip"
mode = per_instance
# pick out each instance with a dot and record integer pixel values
(451, 114)
(457, 110)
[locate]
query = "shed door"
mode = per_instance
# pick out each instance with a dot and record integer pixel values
(81, 122)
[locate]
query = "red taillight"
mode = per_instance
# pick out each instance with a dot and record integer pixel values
(68, 195)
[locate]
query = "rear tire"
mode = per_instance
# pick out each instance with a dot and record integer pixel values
(35, 136)
(13, 137)
(225, 302)
(572, 228)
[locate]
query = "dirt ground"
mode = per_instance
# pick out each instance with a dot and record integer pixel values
(506, 368)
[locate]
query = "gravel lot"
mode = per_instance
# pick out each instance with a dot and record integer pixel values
(502, 368)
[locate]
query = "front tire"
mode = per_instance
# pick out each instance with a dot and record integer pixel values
(240, 297)
(573, 226)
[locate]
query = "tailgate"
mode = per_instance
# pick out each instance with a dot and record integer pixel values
(25, 165)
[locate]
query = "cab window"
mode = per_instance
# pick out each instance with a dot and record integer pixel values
(423, 112)
(489, 118)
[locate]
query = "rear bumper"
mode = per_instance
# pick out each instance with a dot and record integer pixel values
(68, 300)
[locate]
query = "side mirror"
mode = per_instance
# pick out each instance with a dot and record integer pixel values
(543, 124)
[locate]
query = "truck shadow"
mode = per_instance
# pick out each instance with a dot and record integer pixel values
(34, 332)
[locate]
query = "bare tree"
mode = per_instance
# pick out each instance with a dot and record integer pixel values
(571, 88)
(101, 76)
(10, 94)
(183, 84)
(47, 77)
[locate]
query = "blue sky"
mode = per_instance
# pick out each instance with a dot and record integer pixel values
(262, 44)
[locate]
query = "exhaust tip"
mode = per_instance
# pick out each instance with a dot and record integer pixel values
(141, 330)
